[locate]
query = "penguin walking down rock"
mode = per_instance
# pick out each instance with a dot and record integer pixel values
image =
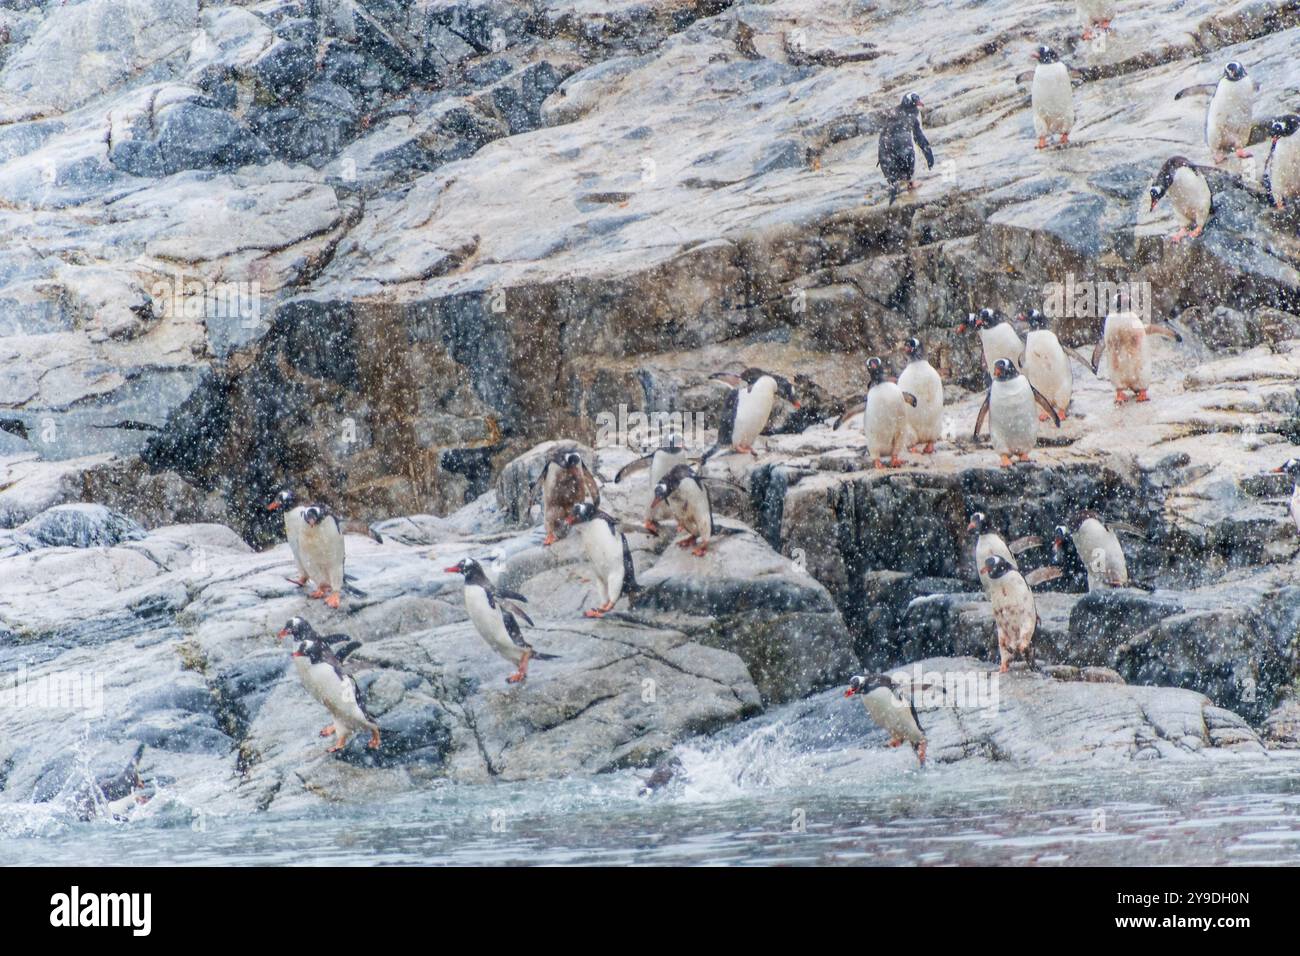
(891, 707)
(609, 554)
(662, 460)
(286, 502)
(1231, 114)
(1098, 548)
(326, 681)
(1015, 615)
(884, 417)
(919, 379)
(748, 408)
(1052, 98)
(1095, 15)
(988, 543)
(1009, 408)
(564, 481)
(492, 611)
(1046, 364)
(896, 155)
(321, 552)
(998, 337)
(1291, 468)
(299, 631)
(1283, 163)
(1128, 353)
(687, 496)
(1189, 195)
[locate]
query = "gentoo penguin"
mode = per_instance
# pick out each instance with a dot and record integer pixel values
(1009, 407)
(300, 631)
(609, 554)
(1046, 365)
(988, 543)
(493, 610)
(919, 379)
(1095, 13)
(896, 156)
(1052, 97)
(338, 691)
(1284, 159)
(1291, 468)
(748, 407)
(1015, 616)
(1232, 112)
(565, 480)
(287, 502)
(687, 496)
(890, 709)
(1098, 548)
(1189, 194)
(1128, 354)
(662, 460)
(884, 420)
(998, 337)
(320, 545)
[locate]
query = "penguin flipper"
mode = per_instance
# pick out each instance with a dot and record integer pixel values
(1127, 528)
(727, 425)
(1026, 543)
(1046, 406)
(1201, 89)
(1043, 575)
(910, 399)
(630, 585)
(918, 135)
(731, 378)
(1164, 330)
(1025, 77)
(512, 628)
(511, 595)
(849, 412)
(1097, 351)
(1078, 356)
(633, 467)
(514, 608)
(984, 413)
(343, 652)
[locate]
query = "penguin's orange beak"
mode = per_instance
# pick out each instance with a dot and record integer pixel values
(850, 692)
(971, 526)
(284, 632)
(795, 403)
(452, 570)
(295, 654)
(1153, 203)
(273, 506)
(1277, 470)
(961, 327)
(984, 570)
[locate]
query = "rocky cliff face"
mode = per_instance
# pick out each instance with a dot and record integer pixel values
(379, 250)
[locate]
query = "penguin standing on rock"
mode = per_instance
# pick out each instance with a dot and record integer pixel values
(1095, 13)
(492, 611)
(609, 554)
(1052, 98)
(1189, 194)
(1291, 468)
(920, 380)
(662, 460)
(687, 495)
(564, 481)
(1284, 159)
(1128, 353)
(286, 502)
(327, 682)
(321, 549)
(1098, 548)
(998, 337)
(748, 408)
(300, 631)
(890, 710)
(1015, 615)
(988, 543)
(1232, 112)
(896, 155)
(1046, 364)
(885, 418)
(1009, 407)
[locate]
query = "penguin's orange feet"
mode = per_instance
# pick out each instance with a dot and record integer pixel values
(1023, 456)
(1179, 236)
(1120, 397)
(327, 731)
(686, 542)
(374, 740)
(549, 540)
(1004, 667)
(1088, 34)
(746, 449)
(652, 526)
(1006, 461)
(519, 675)
(593, 612)
(1042, 143)
(1142, 396)
(1042, 416)
(928, 449)
(895, 741)
(700, 551)
(1196, 232)
(1065, 139)
(877, 463)
(1104, 25)
(896, 462)
(320, 592)
(920, 752)
(338, 744)
(332, 600)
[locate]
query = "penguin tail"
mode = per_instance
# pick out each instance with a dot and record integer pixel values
(709, 454)
(893, 193)
(722, 530)
(539, 656)
(353, 589)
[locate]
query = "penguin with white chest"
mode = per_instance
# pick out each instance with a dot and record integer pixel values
(1231, 114)
(299, 631)
(286, 502)
(1098, 548)
(1052, 98)
(989, 543)
(609, 554)
(492, 611)
(1015, 615)
(884, 419)
(1046, 364)
(565, 480)
(1283, 163)
(920, 380)
(662, 460)
(1127, 351)
(998, 337)
(687, 496)
(1291, 468)
(321, 550)
(892, 709)
(1009, 408)
(748, 408)
(1189, 194)
(328, 683)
